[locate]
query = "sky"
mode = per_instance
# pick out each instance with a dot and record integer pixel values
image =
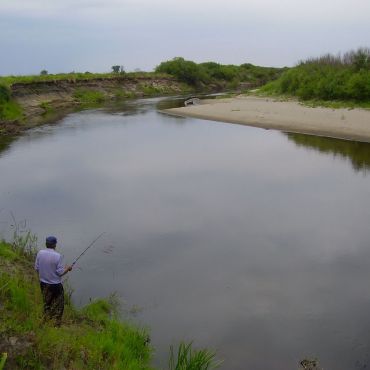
(93, 35)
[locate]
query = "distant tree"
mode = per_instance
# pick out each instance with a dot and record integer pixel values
(116, 69)
(44, 72)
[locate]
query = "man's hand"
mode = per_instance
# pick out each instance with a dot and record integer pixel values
(66, 269)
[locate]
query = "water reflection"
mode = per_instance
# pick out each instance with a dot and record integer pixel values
(5, 143)
(357, 153)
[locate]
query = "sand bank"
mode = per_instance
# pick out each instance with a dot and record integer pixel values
(289, 116)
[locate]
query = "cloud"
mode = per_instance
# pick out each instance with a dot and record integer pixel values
(94, 34)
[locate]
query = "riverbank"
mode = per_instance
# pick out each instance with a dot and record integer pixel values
(90, 338)
(287, 116)
(31, 103)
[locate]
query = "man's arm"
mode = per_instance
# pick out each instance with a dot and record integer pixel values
(66, 269)
(61, 270)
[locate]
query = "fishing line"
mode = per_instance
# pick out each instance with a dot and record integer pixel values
(89, 246)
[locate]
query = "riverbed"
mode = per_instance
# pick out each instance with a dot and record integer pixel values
(251, 242)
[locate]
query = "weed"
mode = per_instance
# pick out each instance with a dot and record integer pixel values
(189, 359)
(3, 360)
(48, 109)
(87, 96)
(11, 111)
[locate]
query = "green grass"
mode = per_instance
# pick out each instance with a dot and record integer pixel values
(9, 109)
(73, 76)
(91, 338)
(186, 358)
(124, 94)
(48, 109)
(88, 96)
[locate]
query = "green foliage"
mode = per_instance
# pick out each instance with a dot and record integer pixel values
(185, 70)
(328, 78)
(3, 360)
(211, 72)
(24, 241)
(189, 359)
(11, 111)
(90, 338)
(88, 96)
(48, 109)
(4, 94)
(115, 69)
(75, 76)
(43, 72)
(124, 94)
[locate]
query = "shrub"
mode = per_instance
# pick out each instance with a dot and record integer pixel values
(328, 77)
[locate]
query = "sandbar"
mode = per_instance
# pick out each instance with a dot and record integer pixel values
(287, 116)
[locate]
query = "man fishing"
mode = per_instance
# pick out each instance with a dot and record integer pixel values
(50, 269)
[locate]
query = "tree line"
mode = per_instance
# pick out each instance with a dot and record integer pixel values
(209, 72)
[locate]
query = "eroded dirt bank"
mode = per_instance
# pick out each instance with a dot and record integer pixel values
(49, 100)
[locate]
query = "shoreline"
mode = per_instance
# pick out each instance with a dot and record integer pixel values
(43, 102)
(286, 116)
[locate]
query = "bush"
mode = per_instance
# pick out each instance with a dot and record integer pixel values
(211, 72)
(328, 78)
(185, 70)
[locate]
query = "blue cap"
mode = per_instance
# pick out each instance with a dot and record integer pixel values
(51, 240)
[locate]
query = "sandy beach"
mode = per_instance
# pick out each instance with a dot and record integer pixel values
(288, 116)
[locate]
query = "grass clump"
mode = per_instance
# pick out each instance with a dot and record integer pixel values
(88, 96)
(189, 359)
(327, 78)
(124, 94)
(9, 109)
(46, 106)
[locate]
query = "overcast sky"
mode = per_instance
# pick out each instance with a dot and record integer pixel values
(93, 35)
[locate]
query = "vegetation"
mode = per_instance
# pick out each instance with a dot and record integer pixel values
(211, 72)
(92, 337)
(339, 78)
(9, 110)
(118, 69)
(189, 359)
(75, 76)
(89, 96)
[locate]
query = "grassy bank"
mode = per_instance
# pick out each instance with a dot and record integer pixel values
(92, 337)
(76, 76)
(336, 81)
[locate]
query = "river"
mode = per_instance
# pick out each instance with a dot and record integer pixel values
(251, 242)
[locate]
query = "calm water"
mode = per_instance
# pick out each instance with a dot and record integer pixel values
(251, 242)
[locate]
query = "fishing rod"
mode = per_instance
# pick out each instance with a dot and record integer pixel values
(85, 250)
